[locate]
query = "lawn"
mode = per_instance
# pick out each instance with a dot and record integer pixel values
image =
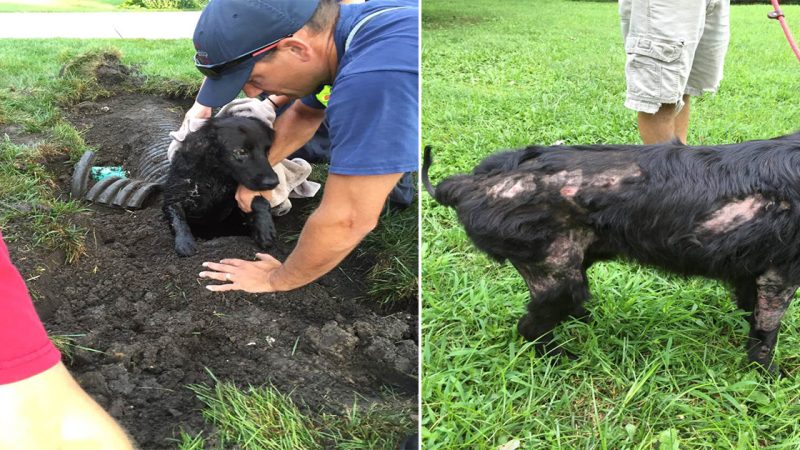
(60, 5)
(662, 365)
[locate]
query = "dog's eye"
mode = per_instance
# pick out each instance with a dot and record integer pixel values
(240, 153)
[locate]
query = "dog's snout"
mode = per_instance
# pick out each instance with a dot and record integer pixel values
(270, 183)
(266, 183)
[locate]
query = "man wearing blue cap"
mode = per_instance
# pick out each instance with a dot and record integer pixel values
(368, 53)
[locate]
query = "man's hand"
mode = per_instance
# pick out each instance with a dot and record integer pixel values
(241, 275)
(197, 111)
(194, 119)
(244, 197)
(349, 210)
(250, 107)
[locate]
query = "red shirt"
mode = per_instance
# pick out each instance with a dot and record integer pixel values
(25, 349)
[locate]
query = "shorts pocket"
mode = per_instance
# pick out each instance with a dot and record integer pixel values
(654, 69)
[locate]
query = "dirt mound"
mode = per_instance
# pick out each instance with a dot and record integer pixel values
(153, 328)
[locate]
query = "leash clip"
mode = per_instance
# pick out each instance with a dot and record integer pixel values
(777, 14)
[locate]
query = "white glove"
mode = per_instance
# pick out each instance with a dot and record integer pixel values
(188, 126)
(250, 107)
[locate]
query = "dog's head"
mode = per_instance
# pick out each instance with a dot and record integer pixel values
(242, 145)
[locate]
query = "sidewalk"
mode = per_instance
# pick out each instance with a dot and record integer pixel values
(147, 25)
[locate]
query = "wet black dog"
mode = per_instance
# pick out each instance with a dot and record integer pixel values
(728, 212)
(205, 173)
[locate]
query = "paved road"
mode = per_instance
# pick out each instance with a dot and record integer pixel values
(147, 25)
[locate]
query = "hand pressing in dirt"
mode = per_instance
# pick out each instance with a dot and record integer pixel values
(248, 276)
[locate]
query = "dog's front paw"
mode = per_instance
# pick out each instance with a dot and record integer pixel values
(261, 224)
(265, 237)
(185, 247)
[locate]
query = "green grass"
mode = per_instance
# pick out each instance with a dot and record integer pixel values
(65, 343)
(60, 5)
(262, 418)
(392, 279)
(662, 365)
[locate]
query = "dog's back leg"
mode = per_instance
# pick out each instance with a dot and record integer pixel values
(555, 296)
(558, 286)
(184, 240)
(261, 224)
(774, 294)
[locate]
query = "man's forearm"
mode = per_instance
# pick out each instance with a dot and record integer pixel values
(324, 242)
(293, 129)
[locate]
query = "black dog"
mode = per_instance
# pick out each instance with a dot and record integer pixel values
(205, 172)
(728, 212)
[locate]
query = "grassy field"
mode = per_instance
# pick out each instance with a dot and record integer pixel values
(59, 5)
(662, 365)
(32, 94)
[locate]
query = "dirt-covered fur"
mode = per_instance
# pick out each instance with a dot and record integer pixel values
(205, 172)
(727, 212)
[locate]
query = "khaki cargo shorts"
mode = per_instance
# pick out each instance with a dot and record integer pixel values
(673, 47)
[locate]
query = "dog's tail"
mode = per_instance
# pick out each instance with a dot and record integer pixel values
(449, 190)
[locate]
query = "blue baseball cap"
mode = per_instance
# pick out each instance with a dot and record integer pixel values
(231, 34)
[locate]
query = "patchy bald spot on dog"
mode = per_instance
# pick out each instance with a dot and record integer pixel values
(540, 281)
(567, 250)
(733, 214)
(773, 299)
(569, 182)
(611, 179)
(512, 187)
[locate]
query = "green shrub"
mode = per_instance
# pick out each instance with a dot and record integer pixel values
(165, 4)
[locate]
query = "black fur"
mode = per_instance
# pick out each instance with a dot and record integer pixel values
(728, 212)
(205, 173)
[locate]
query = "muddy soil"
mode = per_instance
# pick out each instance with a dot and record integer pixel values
(153, 328)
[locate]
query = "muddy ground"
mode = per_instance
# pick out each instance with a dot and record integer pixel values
(153, 328)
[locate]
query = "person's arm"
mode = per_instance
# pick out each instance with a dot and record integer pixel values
(350, 208)
(50, 410)
(41, 405)
(293, 129)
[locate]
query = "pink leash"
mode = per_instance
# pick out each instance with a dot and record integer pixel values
(778, 14)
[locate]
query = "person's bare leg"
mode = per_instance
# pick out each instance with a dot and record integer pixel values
(659, 127)
(682, 120)
(51, 411)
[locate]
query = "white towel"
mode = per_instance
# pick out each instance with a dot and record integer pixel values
(293, 183)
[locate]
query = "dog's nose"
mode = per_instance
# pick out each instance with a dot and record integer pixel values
(268, 183)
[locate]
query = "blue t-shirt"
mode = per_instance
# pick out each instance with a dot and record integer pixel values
(373, 110)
